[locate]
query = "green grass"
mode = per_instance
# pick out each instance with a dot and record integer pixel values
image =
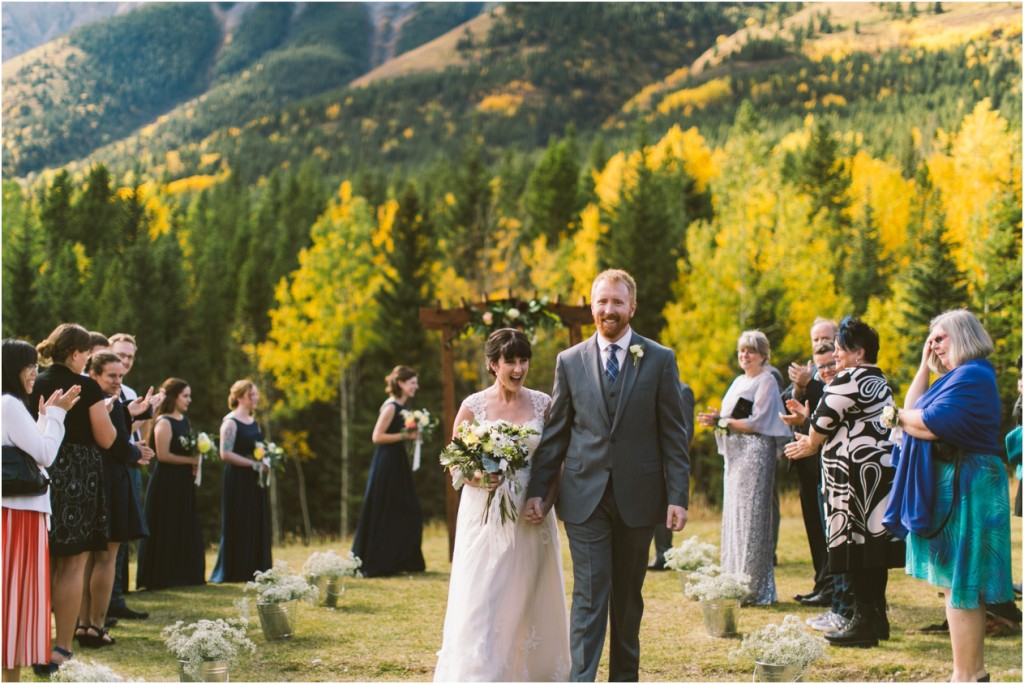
(390, 629)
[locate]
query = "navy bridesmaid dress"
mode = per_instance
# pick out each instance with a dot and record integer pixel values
(173, 555)
(245, 515)
(390, 532)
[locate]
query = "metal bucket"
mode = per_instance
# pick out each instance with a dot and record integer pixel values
(331, 588)
(721, 618)
(766, 672)
(684, 577)
(209, 671)
(275, 618)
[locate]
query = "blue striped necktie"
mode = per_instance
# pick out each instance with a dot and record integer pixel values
(612, 367)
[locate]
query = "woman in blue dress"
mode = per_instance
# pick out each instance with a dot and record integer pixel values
(245, 506)
(389, 535)
(954, 510)
(173, 555)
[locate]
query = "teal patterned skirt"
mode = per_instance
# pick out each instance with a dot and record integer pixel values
(971, 556)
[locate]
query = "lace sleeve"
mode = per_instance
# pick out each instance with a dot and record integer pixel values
(541, 402)
(477, 404)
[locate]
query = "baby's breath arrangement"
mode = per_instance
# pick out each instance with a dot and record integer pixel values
(691, 555)
(785, 644)
(77, 670)
(329, 564)
(280, 584)
(711, 584)
(205, 640)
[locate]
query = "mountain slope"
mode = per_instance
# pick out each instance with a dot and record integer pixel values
(31, 24)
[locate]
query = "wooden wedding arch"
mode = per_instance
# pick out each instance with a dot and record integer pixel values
(450, 322)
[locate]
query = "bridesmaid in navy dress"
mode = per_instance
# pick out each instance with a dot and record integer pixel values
(173, 554)
(390, 531)
(245, 506)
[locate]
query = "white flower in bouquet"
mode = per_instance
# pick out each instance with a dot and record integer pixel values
(492, 448)
(420, 420)
(691, 555)
(77, 670)
(280, 584)
(206, 640)
(269, 457)
(785, 644)
(329, 564)
(711, 584)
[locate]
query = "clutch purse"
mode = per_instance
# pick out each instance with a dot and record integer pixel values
(743, 408)
(22, 476)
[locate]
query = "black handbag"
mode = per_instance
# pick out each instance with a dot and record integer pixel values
(22, 476)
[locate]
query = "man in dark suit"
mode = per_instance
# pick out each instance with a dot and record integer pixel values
(663, 535)
(616, 425)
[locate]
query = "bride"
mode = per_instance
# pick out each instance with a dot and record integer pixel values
(506, 616)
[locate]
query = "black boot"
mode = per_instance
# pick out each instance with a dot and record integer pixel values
(881, 621)
(862, 630)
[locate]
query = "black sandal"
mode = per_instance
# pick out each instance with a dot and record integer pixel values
(100, 639)
(51, 667)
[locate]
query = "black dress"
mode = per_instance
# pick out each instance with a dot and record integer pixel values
(173, 554)
(125, 520)
(245, 515)
(390, 531)
(79, 520)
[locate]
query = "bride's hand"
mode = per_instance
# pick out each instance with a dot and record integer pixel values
(485, 481)
(535, 510)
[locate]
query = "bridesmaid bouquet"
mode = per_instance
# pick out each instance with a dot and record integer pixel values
(424, 423)
(270, 455)
(493, 448)
(202, 444)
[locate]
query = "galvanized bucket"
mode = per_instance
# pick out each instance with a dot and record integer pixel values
(684, 577)
(209, 671)
(275, 618)
(721, 618)
(766, 672)
(331, 588)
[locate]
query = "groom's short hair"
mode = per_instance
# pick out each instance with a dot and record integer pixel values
(616, 275)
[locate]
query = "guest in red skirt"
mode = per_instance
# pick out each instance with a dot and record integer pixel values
(26, 566)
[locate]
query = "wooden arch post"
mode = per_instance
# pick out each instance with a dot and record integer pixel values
(449, 322)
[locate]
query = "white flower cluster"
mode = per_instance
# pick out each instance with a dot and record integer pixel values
(890, 416)
(329, 564)
(280, 584)
(785, 644)
(77, 670)
(206, 640)
(691, 555)
(711, 584)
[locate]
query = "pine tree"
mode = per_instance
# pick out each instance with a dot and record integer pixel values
(865, 273)
(552, 200)
(21, 256)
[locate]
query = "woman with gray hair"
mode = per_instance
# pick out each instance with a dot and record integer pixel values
(750, 436)
(951, 494)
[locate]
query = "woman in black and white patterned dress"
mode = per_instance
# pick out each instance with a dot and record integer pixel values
(858, 472)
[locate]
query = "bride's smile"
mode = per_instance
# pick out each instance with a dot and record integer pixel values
(511, 373)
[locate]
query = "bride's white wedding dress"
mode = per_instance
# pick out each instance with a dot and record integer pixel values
(506, 617)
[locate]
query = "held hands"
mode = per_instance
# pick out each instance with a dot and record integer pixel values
(801, 448)
(535, 510)
(61, 399)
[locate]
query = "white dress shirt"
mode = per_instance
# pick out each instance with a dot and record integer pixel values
(620, 355)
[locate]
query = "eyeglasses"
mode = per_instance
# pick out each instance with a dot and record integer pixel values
(939, 340)
(825, 366)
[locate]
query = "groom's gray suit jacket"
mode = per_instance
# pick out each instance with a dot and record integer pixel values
(643, 447)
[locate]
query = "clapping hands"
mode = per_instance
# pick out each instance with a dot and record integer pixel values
(61, 399)
(139, 405)
(798, 413)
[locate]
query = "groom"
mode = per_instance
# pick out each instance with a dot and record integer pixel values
(616, 429)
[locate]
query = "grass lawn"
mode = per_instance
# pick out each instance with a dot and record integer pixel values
(390, 629)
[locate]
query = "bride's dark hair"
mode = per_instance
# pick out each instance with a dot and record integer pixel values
(508, 344)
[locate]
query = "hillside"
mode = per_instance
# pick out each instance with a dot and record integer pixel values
(30, 24)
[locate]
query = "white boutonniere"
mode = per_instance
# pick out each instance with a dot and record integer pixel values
(637, 350)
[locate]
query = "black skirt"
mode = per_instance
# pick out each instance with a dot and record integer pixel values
(79, 521)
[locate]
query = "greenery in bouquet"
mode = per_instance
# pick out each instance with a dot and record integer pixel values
(691, 555)
(493, 448)
(199, 443)
(711, 584)
(280, 584)
(785, 644)
(526, 315)
(420, 420)
(206, 640)
(78, 670)
(272, 457)
(329, 564)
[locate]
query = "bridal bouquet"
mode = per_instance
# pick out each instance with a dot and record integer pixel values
(492, 448)
(424, 424)
(270, 455)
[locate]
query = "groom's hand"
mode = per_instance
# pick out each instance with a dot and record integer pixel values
(675, 519)
(535, 510)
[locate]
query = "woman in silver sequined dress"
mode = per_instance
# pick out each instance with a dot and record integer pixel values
(750, 436)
